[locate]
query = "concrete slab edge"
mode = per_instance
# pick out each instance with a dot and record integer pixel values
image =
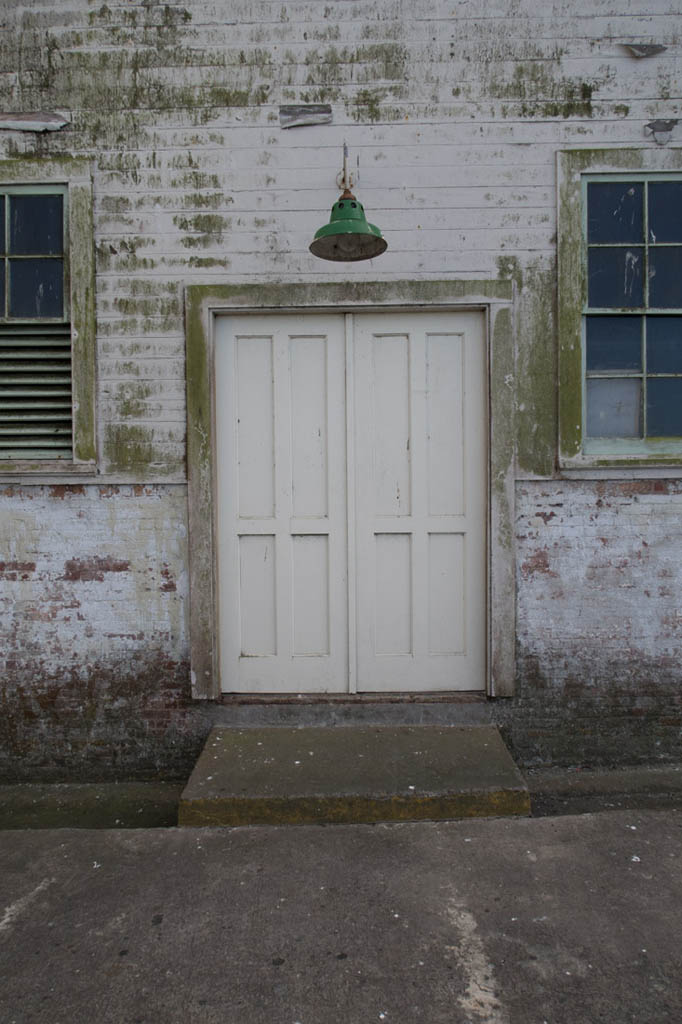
(231, 812)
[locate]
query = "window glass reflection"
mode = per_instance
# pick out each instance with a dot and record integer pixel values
(615, 212)
(614, 342)
(664, 407)
(615, 278)
(665, 211)
(614, 408)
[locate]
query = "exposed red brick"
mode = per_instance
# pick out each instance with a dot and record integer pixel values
(16, 570)
(60, 491)
(537, 562)
(88, 569)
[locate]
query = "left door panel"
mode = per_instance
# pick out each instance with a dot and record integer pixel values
(281, 490)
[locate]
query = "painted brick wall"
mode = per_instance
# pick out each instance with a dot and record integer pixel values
(94, 670)
(455, 113)
(599, 620)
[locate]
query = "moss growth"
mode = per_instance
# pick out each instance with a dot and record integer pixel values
(536, 370)
(197, 241)
(509, 268)
(502, 451)
(198, 180)
(132, 408)
(325, 94)
(383, 60)
(148, 307)
(115, 204)
(142, 286)
(205, 262)
(367, 105)
(204, 223)
(130, 448)
(542, 94)
(376, 61)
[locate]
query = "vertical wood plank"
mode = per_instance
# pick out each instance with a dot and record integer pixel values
(350, 474)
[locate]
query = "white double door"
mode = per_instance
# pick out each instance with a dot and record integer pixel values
(351, 455)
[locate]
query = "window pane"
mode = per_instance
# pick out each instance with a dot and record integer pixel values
(665, 211)
(615, 278)
(665, 277)
(36, 225)
(613, 408)
(2, 223)
(615, 212)
(664, 344)
(2, 288)
(614, 342)
(664, 407)
(36, 288)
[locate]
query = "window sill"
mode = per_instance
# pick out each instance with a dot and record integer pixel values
(59, 467)
(599, 457)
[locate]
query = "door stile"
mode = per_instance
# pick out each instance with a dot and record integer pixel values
(351, 505)
(283, 497)
(416, 524)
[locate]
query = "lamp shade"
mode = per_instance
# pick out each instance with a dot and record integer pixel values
(348, 236)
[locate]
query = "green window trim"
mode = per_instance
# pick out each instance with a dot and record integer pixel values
(575, 169)
(72, 176)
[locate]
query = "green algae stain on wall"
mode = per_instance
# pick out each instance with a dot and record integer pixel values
(204, 229)
(540, 92)
(134, 449)
(367, 105)
(536, 362)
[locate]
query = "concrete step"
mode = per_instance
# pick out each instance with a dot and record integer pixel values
(276, 776)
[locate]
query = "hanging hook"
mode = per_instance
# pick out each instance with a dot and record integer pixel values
(345, 180)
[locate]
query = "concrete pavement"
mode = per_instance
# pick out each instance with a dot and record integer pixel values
(567, 920)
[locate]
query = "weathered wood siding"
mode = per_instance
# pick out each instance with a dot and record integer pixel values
(455, 115)
(455, 112)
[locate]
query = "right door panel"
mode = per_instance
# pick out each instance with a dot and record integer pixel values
(421, 501)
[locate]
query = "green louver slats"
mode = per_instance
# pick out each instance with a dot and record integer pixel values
(35, 391)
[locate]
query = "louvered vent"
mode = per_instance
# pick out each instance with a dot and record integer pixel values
(35, 391)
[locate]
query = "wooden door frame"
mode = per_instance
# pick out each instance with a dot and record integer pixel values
(203, 303)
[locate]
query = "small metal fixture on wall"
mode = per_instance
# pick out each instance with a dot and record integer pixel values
(348, 237)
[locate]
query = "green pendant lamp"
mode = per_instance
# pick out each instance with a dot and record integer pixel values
(348, 237)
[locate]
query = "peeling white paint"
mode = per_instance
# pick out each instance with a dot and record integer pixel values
(480, 1000)
(14, 910)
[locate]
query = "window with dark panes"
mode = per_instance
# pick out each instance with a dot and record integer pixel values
(633, 319)
(35, 333)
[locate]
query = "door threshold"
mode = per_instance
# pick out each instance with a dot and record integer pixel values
(440, 697)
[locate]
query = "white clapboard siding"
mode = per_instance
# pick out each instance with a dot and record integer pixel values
(453, 113)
